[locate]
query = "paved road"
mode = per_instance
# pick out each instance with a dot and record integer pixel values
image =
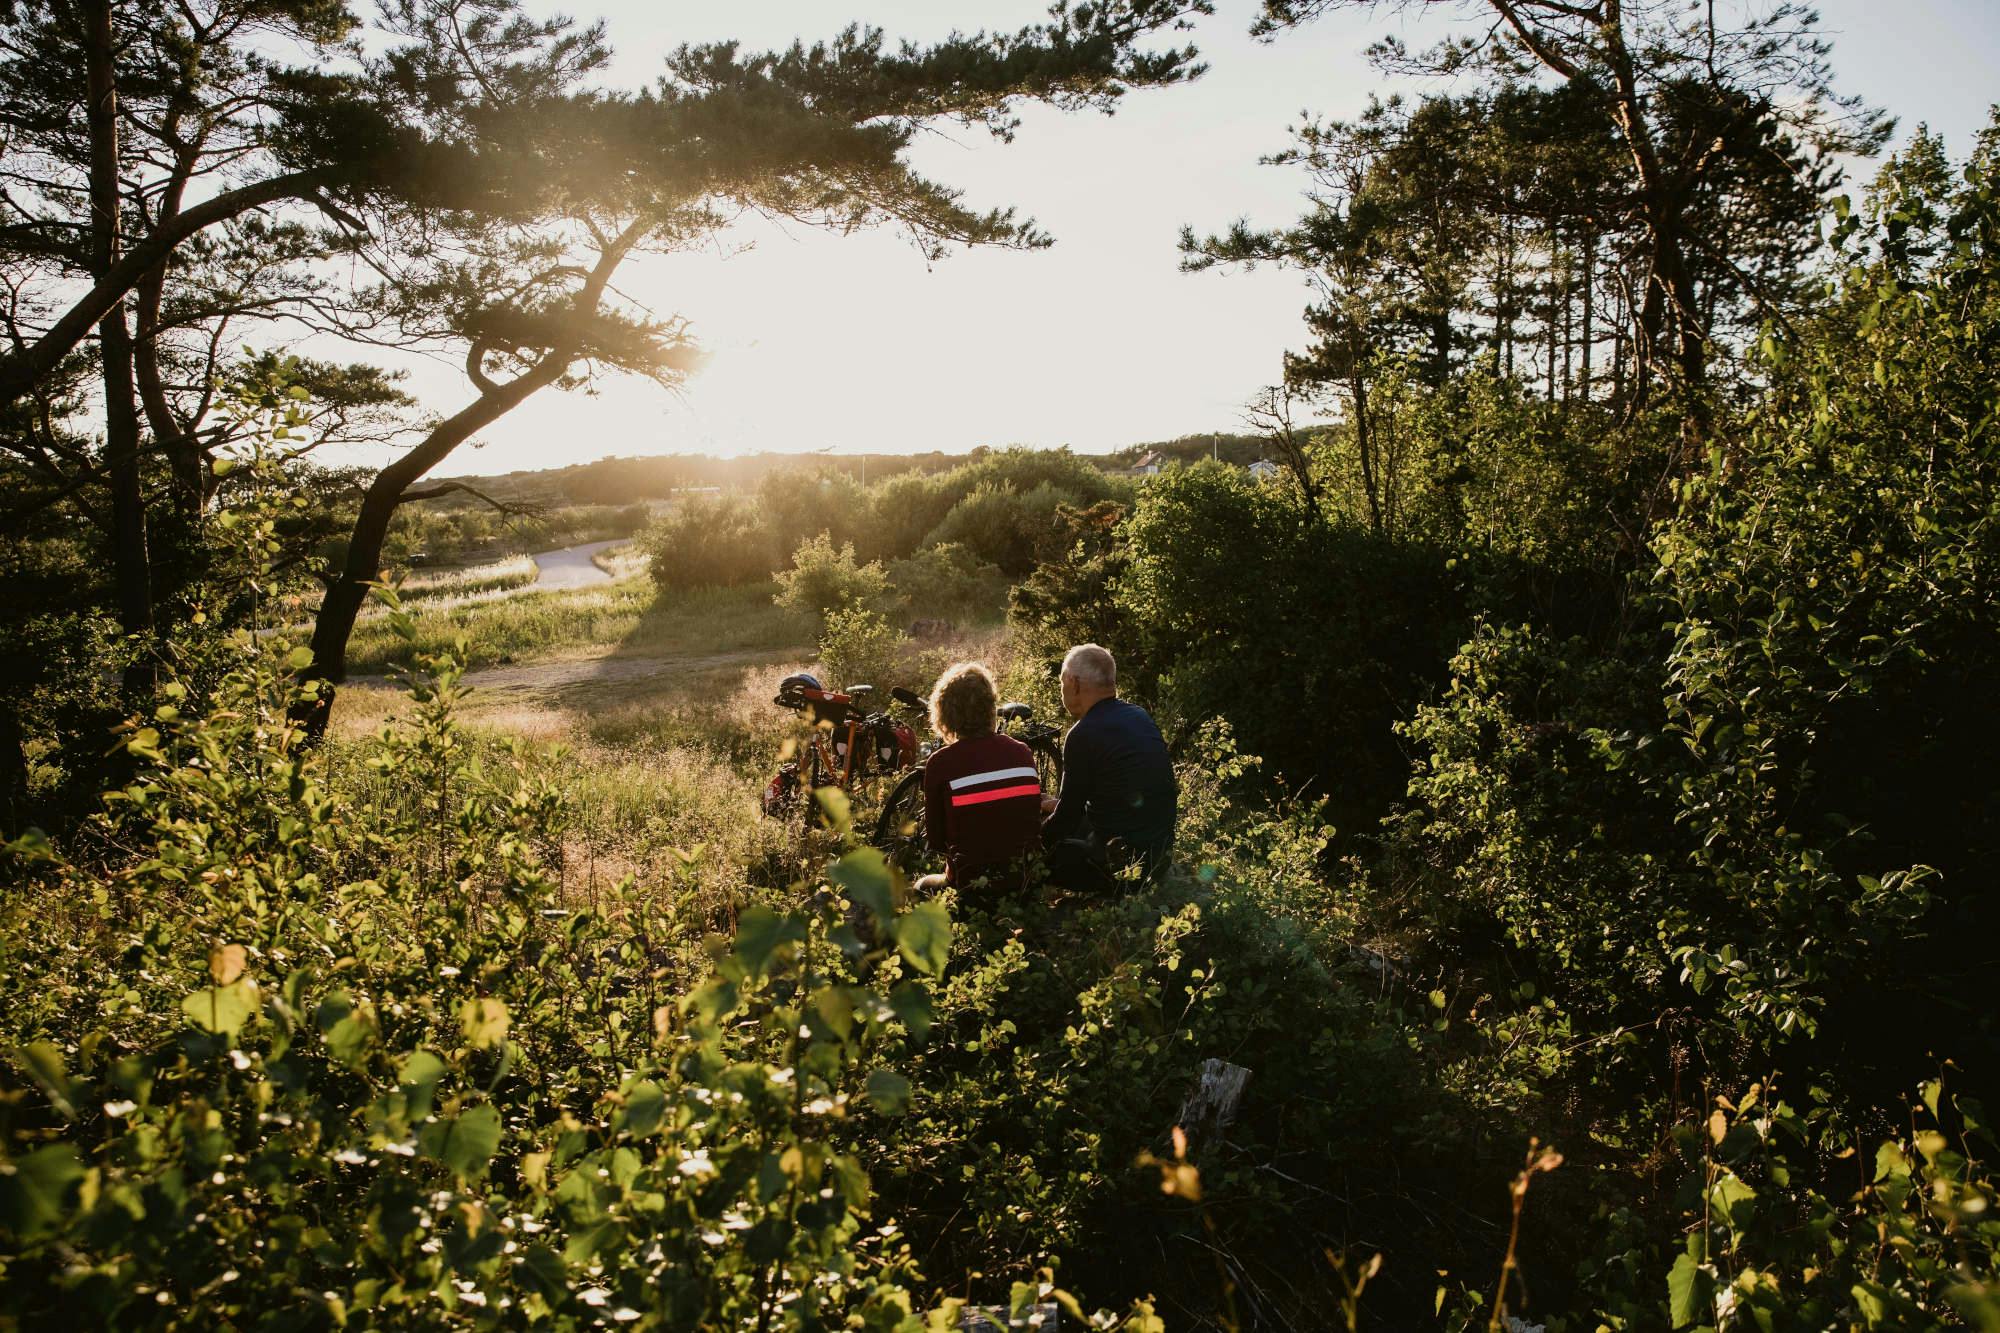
(569, 567)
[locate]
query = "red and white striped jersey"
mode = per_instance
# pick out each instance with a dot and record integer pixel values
(982, 805)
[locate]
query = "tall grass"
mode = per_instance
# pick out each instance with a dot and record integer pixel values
(516, 571)
(623, 616)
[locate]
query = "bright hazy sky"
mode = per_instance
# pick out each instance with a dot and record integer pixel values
(855, 344)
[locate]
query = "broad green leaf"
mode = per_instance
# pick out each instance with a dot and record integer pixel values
(714, 1001)
(1732, 1200)
(347, 1029)
(419, 1078)
(923, 935)
(889, 1092)
(863, 875)
(645, 1108)
(1687, 1291)
(34, 1190)
(1872, 1301)
(44, 1064)
(223, 1009)
(1978, 1304)
(912, 1002)
(484, 1021)
(299, 658)
(467, 1142)
(760, 933)
(836, 1010)
(850, 1179)
(541, 1269)
(835, 810)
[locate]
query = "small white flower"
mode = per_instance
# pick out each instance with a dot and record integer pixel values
(712, 1237)
(696, 1164)
(115, 1109)
(593, 1295)
(349, 1157)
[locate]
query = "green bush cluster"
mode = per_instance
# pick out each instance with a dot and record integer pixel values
(707, 542)
(305, 1064)
(949, 538)
(1688, 817)
(825, 578)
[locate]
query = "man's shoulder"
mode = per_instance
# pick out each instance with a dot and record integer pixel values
(1123, 713)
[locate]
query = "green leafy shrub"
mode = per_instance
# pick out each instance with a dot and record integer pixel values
(825, 578)
(1073, 597)
(1311, 639)
(859, 647)
(1011, 529)
(946, 582)
(374, 1068)
(904, 510)
(709, 542)
(798, 505)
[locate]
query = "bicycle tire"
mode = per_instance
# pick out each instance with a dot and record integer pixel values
(1048, 763)
(899, 829)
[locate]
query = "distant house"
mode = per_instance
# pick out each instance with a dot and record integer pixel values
(1149, 464)
(1264, 470)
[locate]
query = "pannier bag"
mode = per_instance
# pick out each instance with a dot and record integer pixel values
(895, 745)
(781, 793)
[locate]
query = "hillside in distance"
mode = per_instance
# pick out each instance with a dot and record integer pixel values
(619, 480)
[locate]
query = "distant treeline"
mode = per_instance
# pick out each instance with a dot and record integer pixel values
(618, 481)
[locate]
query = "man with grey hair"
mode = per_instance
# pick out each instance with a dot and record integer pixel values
(1119, 801)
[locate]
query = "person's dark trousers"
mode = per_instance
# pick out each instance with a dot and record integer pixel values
(1080, 865)
(1088, 865)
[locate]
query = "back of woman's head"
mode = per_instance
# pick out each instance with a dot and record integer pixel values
(964, 702)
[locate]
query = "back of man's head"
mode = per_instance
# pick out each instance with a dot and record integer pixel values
(1092, 667)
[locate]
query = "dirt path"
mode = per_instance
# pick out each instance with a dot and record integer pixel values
(609, 671)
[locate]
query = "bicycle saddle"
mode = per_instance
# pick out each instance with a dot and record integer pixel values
(1016, 712)
(859, 692)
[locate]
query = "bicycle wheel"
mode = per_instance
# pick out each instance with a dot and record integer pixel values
(899, 830)
(1048, 763)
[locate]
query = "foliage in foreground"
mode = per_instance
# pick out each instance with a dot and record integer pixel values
(292, 1068)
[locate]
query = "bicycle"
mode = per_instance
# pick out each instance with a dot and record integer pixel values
(899, 829)
(847, 742)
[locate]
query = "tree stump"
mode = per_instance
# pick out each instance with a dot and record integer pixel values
(1211, 1103)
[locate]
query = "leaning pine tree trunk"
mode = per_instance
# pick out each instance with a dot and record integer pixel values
(345, 597)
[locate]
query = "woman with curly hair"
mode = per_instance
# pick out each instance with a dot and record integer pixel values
(982, 796)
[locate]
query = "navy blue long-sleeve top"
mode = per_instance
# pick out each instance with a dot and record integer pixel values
(1117, 779)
